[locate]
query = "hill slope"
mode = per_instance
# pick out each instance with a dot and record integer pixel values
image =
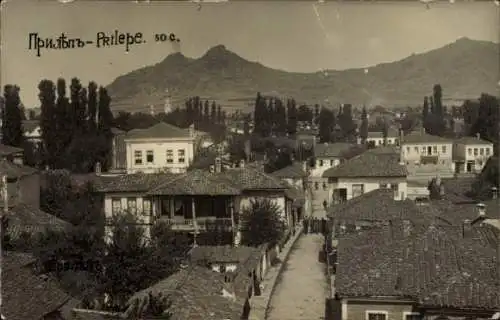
(464, 68)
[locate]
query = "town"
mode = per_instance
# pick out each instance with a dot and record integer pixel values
(330, 170)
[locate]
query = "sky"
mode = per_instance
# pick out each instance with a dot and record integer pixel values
(292, 36)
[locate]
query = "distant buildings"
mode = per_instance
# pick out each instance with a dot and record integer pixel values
(471, 153)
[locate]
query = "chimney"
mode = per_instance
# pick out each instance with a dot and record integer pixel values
(242, 163)
(466, 228)
(494, 193)
(481, 210)
(5, 194)
(218, 165)
(191, 130)
(98, 168)
(212, 168)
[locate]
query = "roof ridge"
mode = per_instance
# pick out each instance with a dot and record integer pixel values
(162, 184)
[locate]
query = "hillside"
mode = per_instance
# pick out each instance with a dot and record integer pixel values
(464, 68)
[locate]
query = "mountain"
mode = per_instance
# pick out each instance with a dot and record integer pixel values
(464, 68)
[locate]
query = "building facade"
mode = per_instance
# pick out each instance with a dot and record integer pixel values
(471, 153)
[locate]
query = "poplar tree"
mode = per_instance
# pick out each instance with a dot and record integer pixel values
(12, 133)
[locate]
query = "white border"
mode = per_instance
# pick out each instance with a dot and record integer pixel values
(367, 313)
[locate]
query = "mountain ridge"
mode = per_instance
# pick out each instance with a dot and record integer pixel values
(465, 68)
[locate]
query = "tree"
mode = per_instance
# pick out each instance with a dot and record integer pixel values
(213, 114)
(305, 114)
(92, 101)
(486, 123)
(292, 117)
(363, 131)
(261, 223)
(425, 114)
(326, 122)
(12, 133)
(47, 96)
(219, 115)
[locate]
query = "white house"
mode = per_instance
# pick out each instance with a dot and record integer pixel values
(471, 153)
(364, 173)
(377, 138)
(160, 147)
(425, 154)
(32, 131)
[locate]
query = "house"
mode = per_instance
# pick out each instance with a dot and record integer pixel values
(326, 156)
(377, 138)
(195, 200)
(364, 173)
(12, 154)
(23, 184)
(27, 295)
(119, 150)
(196, 293)
(160, 147)
(411, 271)
(426, 155)
(471, 153)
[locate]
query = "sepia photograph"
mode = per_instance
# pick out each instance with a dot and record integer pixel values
(250, 160)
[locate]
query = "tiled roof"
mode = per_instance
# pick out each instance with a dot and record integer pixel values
(473, 140)
(298, 196)
(379, 206)
(197, 182)
(295, 170)
(391, 133)
(139, 182)
(160, 130)
(368, 164)
(6, 150)
(26, 296)
(334, 150)
(195, 293)
(252, 179)
(221, 254)
(456, 189)
(29, 125)
(384, 150)
(420, 137)
(14, 171)
(435, 265)
(24, 218)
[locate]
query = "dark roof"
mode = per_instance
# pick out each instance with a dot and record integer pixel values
(420, 137)
(195, 293)
(15, 260)
(26, 296)
(197, 182)
(6, 150)
(385, 150)
(160, 130)
(457, 189)
(221, 254)
(25, 218)
(138, 182)
(472, 140)
(368, 164)
(334, 150)
(29, 125)
(295, 170)
(14, 171)
(379, 206)
(434, 265)
(253, 179)
(117, 131)
(391, 133)
(298, 196)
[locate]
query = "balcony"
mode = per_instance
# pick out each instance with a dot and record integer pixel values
(202, 223)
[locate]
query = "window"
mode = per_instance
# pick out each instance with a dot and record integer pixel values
(146, 207)
(116, 205)
(165, 207)
(383, 185)
(411, 316)
(408, 149)
(469, 151)
(181, 155)
(423, 149)
(170, 156)
(324, 186)
(320, 163)
(435, 149)
(132, 205)
(316, 185)
(376, 315)
(475, 151)
(138, 157)
(481, 152)
(395, 187)
(416, 149)
(443, 149)
(331, 163)
(487, 151)
(149, 156)
(357, 190)
(222, 268)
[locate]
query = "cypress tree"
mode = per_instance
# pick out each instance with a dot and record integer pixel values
(12, 133)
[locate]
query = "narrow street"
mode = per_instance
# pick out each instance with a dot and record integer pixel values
(302, 287)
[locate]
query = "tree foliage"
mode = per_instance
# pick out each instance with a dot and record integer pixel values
(12, 115)
(261, 223)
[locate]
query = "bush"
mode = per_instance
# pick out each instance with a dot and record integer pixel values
(261, 223)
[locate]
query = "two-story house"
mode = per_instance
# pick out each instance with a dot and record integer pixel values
(366, 172)
(471, 153)
(426, 155)
(326, 156)
(160, 147)
(192, 201)
(377, 138)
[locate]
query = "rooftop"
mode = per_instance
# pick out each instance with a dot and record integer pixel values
(473, 140)
(14, 171)
(6, 150)
(368, 164)
(295, 170)
(160, 130)
(331, 150)
(417, 137)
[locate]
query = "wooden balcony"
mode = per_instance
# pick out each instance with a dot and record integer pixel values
(202, 223)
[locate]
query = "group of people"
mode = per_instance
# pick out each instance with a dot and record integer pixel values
(315, 225)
